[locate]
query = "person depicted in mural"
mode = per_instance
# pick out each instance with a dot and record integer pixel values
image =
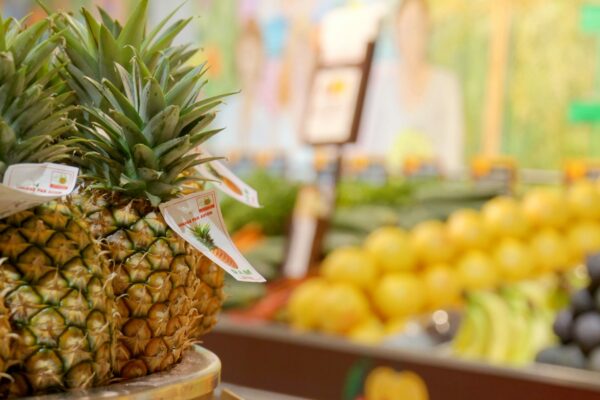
(250, 64)
(415, 107)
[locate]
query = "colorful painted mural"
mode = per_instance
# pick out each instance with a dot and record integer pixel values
(518, 65)
(548, 62)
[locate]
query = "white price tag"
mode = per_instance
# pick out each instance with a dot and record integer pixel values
(226, 181)
(197, 219)
(29, 185)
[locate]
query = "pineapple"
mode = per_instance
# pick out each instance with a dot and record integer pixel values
(142, 119)
(56, 307)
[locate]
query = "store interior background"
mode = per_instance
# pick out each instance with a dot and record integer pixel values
(521, 79)
(520, 64)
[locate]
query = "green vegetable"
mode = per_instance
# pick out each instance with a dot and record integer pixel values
(277, 196)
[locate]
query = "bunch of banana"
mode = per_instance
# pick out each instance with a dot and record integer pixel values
(506, 327)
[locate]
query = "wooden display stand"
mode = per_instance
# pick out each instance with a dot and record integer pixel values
(274, 358)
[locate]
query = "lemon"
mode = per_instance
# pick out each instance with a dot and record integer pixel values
(352, 265)
(390, 248)
(304, 308)
(431, 243)
(411, 386)
(343, 307)
(545, 207)
(502, 217)
(442, 286)
(383, 383)
(514, 260)
(467, 230)
(583, 199)
(550, 249)
(477, 271)
(379, 384)
(395, 326)
(583, 239)
(371, 331)
(398, 295)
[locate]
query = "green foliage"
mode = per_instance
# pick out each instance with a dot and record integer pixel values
(142, 144)
(33, 106)
(142, 111)
(94, 46)
(354, 192)
(277, 196)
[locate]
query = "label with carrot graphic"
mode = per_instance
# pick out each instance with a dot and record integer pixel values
(197, 219)
(226, 181)
(202, 233)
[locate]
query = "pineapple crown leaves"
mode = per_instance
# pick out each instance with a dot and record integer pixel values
(34, 105)
(144, 140)
(202, 233)
(94, 46)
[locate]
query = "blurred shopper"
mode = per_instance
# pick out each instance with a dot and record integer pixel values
(414, 108)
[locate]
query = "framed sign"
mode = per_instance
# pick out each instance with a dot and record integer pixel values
(336, 99)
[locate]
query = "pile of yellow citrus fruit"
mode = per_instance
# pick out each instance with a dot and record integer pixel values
(384, 383)
(366, 293)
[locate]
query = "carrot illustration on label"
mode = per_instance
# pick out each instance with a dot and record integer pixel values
(226, 181)
(202, 233)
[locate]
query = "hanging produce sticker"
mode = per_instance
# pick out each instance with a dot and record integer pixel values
(198, 220)
(226, 181)
(29, 185)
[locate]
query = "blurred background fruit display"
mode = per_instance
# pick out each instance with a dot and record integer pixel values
(507, 266)
(577, 326)
(261, 233)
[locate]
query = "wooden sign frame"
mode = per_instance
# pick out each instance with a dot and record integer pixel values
(364, 68)
(312, 238)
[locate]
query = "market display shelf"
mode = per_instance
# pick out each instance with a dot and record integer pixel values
(272, 357)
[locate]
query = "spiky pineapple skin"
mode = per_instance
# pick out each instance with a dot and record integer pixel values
(168, 293)
(209, 299)
(56, 303)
